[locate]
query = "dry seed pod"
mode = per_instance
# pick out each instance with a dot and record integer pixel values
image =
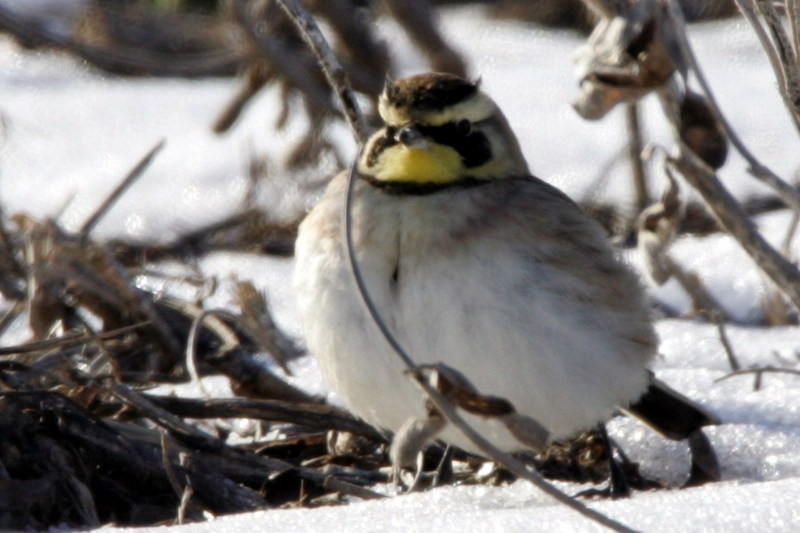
(701, 132)
(459, 390)
(625, 58)
(657, 226)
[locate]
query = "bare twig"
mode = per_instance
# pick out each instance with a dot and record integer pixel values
(607, 8)
(160, 415)
(249, 377)
(229, 341)
(418, 19)
(332, 68)
(702, 299)
(788, 193)
(186, 498)
(788, 58)
(758, 372)
(313, 416)
(793, 10)
(10, 314)
(786, 246)
(296, 71)
(144, 301)
(177, 487)
(635, 147)
(726, 343)
(778, 49)
(335, 484)
(256, 319)
(732, 217)
(120, 189)
(70, 339)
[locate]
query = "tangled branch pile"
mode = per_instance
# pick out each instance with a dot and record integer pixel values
(83, 442)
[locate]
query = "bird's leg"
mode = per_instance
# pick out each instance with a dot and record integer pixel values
(408, 443)
(705, 466)
(617, 484)
(444, 470)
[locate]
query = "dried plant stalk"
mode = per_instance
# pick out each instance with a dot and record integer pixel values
(333, 70)
(120, 189)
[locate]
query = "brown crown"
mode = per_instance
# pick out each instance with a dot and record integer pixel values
(432, 91)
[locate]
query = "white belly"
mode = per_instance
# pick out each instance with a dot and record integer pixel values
(515, 327)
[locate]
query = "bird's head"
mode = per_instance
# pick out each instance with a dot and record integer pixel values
(438, 129)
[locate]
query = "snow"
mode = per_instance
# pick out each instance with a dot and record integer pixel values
(69, 134)
(521, 508)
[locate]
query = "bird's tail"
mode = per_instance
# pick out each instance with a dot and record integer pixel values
(677, 417)
(669, 412)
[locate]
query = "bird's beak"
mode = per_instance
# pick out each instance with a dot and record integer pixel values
(410, 135)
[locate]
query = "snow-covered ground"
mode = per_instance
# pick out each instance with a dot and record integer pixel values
(68, 134)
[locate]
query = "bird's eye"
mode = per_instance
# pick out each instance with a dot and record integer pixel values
(464, 127)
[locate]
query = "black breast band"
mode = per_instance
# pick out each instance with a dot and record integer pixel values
(410, 188)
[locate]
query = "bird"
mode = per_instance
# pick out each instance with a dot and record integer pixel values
(474, 263)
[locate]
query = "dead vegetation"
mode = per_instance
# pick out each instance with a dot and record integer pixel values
(84, 438)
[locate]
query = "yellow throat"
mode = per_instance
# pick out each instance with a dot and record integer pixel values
(435, 163)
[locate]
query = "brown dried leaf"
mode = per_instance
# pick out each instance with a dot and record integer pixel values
(625, 58)
(701, 131)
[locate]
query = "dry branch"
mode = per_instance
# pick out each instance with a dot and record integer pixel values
(120, 189)
(732, 217)
(758, 373)
(643, 47)
(786, 192)
(334, 72)
(781, 50)
(419, 21)
(126, 61)
(733, 361)
(313, 416)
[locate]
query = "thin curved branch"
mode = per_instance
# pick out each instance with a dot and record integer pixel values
(70, 339)
(331, 67)
(787, 193)
(793, 10)
(731, 215)
(779, 50)
(762, 370)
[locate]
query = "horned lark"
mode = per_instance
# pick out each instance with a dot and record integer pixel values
(474, 263)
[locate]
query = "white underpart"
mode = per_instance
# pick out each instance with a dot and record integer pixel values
(506, 324)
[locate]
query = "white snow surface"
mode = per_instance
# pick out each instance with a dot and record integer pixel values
(68, 134)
